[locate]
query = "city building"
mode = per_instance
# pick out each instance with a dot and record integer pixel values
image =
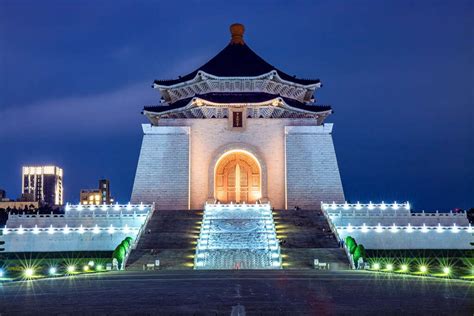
(237, 129)
(43, 184)
(97, 196)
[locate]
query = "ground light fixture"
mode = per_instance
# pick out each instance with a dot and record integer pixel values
(376, 266)
(98, 267)
(71, 269)
(85, 268)
(52, 271)
(446, 270)
(389, 267)
(1, 273)
(29, 272)
(423, 269)
(404, 268)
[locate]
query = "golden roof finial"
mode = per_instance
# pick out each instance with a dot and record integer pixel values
(237, 30)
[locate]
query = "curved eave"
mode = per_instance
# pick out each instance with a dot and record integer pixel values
(197, 102)
(200, 75)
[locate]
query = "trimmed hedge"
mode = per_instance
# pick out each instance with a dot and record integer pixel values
(351, 244)
(359, 253)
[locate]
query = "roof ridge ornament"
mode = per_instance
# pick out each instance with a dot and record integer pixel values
(237, 31)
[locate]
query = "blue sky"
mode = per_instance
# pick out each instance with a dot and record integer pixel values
(74, 76)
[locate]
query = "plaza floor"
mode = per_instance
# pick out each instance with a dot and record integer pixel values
(281, 292)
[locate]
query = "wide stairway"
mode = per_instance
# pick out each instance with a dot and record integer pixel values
(304, 236)
(237, 236)
(171, 237)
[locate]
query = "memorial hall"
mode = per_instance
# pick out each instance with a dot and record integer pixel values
(237, 129)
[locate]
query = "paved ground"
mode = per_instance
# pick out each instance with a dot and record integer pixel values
(289, 292)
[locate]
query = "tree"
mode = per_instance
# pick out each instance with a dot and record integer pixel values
(351, 244)
(359, 252)
(125, 243)
(119, 254)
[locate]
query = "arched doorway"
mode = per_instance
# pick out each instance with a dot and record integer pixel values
(237, 178)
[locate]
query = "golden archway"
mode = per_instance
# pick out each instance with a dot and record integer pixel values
(237, 178)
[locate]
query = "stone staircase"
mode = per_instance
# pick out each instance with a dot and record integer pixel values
(304, 236)
(171, 237)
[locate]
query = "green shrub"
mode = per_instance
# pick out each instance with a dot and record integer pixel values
(351, 244)
(119, 253)
(359, 252)
(125, 243)
(129, 239)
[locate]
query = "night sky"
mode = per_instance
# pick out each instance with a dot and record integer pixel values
(74, 76)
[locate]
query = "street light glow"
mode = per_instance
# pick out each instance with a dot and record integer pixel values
(71, 269)
(423, 269)
(52, 270)
(446, 270)
(389, 267)
(404, 268)
(29, 272)
(376, 266)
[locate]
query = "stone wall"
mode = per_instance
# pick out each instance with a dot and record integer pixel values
(163, 167)
(311, 167)
(162, 175)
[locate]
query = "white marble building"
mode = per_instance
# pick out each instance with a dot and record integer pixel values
(237, 129)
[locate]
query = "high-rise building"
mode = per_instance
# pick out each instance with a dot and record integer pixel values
(44, 183)
(97, 196)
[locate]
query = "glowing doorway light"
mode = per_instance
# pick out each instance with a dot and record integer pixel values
(116, 207)
(92, 207)
(21, 230)
(68, 207)
(379, 228)
(346, 206)
(395, 205)
(407, 206)
(81, 230)
(371, 206)
(96, 229)
(358, 206)
(141, 207)
(129, 206)
(469, 229)
(5, 230)
(409, 228)
(383, 206)
(66, 230)
(51, 230)
(80, 207)
(36, 230)
(103, 207)
(334, 206)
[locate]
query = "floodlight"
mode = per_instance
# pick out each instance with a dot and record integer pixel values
(389, 267)
(423, 269)
(85, 268)
(90, 263)
(71, 269)
(446, 270)
(404, 267)
(29, 272)
(376, 266)
(52, 270)
(98, 267)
